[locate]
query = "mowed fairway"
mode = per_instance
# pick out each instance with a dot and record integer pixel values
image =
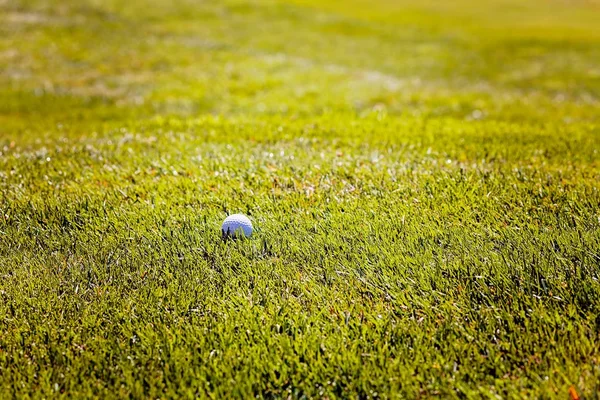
(423, 178)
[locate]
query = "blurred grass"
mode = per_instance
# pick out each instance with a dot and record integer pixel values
(423, 179)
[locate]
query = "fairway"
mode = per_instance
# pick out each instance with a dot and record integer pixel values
(422, 178)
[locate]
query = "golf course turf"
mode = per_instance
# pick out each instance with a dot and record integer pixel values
(423, 179)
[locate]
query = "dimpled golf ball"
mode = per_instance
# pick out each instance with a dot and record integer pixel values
(237, 225)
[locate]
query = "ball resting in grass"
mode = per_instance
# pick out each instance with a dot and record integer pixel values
(236, 225)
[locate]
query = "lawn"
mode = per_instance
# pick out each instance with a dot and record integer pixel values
(423, 177)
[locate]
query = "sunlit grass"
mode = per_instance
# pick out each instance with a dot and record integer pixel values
(423, 179)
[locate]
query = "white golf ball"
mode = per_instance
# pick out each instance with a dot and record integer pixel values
(237, 225)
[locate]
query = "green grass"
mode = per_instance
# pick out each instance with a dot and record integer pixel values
(423, 177)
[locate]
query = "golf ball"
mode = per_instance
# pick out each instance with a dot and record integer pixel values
(237, 225)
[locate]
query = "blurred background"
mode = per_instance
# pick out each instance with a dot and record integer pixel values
(106, 59)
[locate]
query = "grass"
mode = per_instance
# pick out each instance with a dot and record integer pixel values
(423, 179)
